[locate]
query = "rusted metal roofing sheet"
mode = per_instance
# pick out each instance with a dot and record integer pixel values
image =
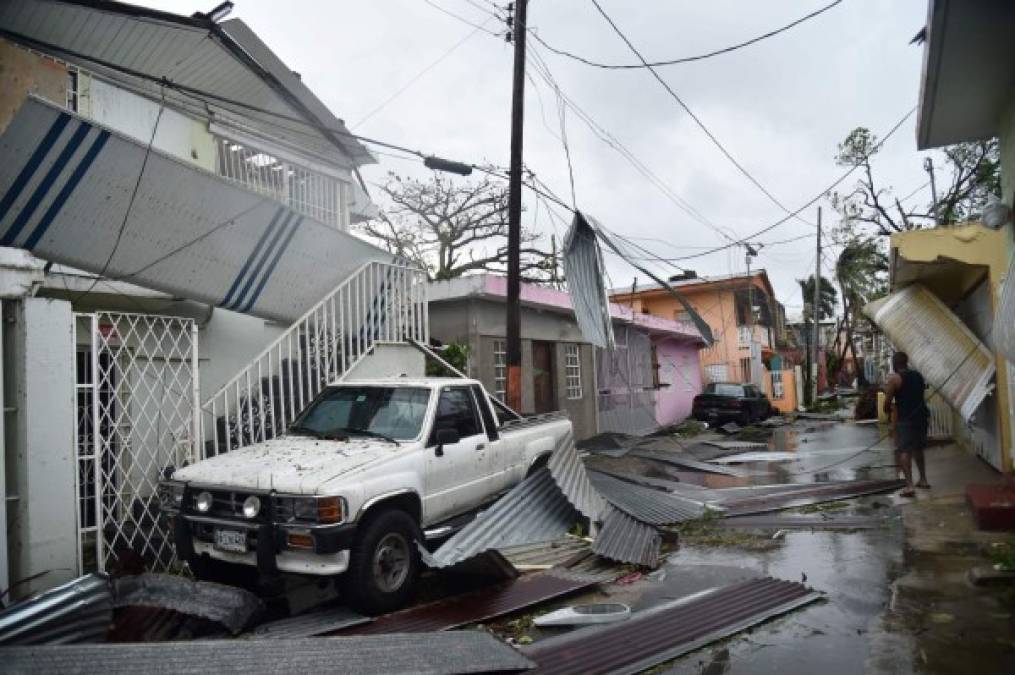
(945, 351)
(78, 611)
(624, 539)
(647, 504)
(65, 187)
(315, 622)
(569, 473)
(685, 462)
(475, 607)
(658, 635)
(585, 270)
(452, 652)
(534, 510)
(815, 494)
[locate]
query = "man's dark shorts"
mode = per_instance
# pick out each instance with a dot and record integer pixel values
(911, 437)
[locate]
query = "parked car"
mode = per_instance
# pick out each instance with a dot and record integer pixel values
(726, 401)
(365, 472)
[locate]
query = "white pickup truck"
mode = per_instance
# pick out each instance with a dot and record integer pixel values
(364, 472)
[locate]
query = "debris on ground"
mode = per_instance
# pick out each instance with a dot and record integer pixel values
(79, 611)
(583, 615)
(230, 606)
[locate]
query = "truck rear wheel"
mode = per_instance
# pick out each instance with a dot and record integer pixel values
(383, 564)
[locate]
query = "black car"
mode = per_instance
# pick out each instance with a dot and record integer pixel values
(724, 401)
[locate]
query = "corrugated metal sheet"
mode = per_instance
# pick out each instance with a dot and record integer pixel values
(78, 611)
(735, 445)
(551, 552)
(950, 357)
(476, 607)
(187, 55)
(815, 494)
(532, 420)
(624, 539)
(658, 483)
(1004, 323)
(569, 473)
(647, 504)
(67, 184)
(452, 652)
(585, 271)
(665, 633)
(534, 510)
(825, 521)
(315, 622)
(157, 624)
(686, 462)
(232, 607)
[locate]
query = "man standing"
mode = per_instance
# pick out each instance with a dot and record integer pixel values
(912, 417)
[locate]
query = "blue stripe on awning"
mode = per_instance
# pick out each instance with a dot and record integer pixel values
(33, 163)
(271, 267)
(246, 265)
(259, 266)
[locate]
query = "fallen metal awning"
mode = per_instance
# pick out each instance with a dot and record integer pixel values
(478, 606)
(626, 539)
(569, 473)
(943, 348)
(78, 611)
(451, 652)
(658, 635)
(804, 496)
(66, 185)
(684, 462)
(647, 504)
(230, 606)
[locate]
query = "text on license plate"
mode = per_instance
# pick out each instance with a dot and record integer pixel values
(231, 540)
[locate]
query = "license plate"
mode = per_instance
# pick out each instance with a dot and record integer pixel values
(231, 540)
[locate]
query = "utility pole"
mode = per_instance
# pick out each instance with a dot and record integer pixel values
(751, 252)
(514, 309)
(928, 166)
(815, 314)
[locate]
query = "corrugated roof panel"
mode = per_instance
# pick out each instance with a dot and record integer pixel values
(948, 355)
(661, 634)
(78, 611)
(624, 539)
(569, 473)
(190, 233)
(534, 510)
(451, 652)
(309, 624)
(585, 270)
(683, 461)
(814, 493)
(1004, 320)
(488, 603)
(647, 504)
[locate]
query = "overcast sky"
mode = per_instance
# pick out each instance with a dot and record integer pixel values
(779, 106)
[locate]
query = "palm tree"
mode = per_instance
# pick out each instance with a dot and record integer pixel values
(860, 272)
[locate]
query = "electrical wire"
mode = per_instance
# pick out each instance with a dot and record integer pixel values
(461, 18)
(701, 125)
(686, 59)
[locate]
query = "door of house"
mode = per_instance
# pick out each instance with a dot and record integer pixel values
(542, 377)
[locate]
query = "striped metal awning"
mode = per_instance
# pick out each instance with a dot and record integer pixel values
(67, 194)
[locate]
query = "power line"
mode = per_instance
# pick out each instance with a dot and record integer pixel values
(686, 59)
(462, 19)
(697, 120)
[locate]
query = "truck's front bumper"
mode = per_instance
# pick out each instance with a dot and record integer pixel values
(269, 546)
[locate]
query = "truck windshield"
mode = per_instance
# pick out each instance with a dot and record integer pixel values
(386, 412)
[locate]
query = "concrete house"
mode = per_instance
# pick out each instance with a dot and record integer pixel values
(176, 274)
(968, 94)
(746, 339)
(646, 383)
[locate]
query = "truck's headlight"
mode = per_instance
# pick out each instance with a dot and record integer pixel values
(170, 496)
(203, 502)
(251, 506)
(310, 509)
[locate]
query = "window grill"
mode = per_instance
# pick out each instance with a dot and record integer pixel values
(777, 389)
(313, 194)
(72, 89)
(500, 369)
(573, 371)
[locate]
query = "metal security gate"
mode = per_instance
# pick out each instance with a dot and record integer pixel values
(137, 402)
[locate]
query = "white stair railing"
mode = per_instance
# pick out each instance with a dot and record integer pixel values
(378, 303)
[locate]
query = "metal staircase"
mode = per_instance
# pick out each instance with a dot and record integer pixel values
(378, 303)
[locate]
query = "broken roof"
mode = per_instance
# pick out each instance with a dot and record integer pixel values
(194, 53)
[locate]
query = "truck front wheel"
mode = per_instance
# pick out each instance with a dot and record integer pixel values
(383, 563)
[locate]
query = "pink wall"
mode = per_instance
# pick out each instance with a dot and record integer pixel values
(679, 367)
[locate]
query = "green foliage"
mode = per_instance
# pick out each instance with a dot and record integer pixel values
(455, 354)
(826, 300)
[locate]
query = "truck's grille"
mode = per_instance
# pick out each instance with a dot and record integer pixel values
(226, 504)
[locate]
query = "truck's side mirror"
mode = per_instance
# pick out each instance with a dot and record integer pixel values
(445, 437)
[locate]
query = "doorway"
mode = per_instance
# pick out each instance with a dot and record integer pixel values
(544, 399)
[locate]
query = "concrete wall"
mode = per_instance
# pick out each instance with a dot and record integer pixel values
(389, 361)
(23, 73)
(39, 448)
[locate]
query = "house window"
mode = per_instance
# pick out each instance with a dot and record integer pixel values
(717, 373)
(500, 369)
(745, 369)
(313, 194)
(573, 371)
(777, 391)
(745, 336)
(72, 89)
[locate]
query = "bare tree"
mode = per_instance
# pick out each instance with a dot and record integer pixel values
(453, 228)
(974, 175)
